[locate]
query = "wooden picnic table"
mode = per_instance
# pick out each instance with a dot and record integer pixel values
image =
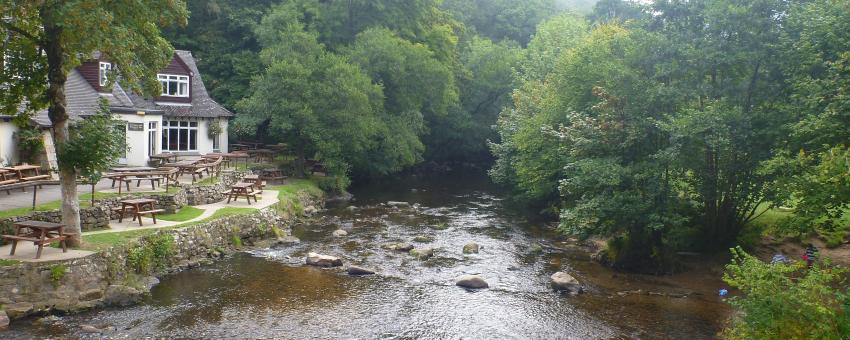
(237, 155)
(262, 155)
(242, 189)
(136, 206)
(255, 179)
(39, 233)
(15, 184)
(271, 174)
(252, 145)
(165, 157)
(133, 169)
(21, 170)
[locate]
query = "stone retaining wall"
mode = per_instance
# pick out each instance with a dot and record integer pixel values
(98, 216)
(107, 278)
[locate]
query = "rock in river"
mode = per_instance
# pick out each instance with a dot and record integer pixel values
(565, 282)
(400, 246)
(340, 233)
(471, 248)
(422, 253)
(398, 204)
(320, 260)
(472, 281)
(4, 321)
(355, 270)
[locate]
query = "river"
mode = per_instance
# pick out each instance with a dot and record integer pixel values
(269, 293)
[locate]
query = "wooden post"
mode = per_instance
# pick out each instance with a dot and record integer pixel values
(34, 191)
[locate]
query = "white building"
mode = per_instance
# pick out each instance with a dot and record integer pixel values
(177, 121)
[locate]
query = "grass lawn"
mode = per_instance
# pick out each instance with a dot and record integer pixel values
(290, 190)
(185, 214)
(4, 262)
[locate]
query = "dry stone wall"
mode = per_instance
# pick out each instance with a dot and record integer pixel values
(107, 278)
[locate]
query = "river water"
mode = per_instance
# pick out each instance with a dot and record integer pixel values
(269, 293)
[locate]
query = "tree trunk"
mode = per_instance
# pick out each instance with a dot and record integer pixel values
(58, 114)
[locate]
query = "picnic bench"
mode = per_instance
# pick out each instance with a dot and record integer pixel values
(136, 208)
(39, 233)
(23, 173)
(272, 174)
(16, 184)
(165, 157)
(242, 189)
(315, 166)
(256, 180)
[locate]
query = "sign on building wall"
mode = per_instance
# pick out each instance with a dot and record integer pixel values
(136, 126)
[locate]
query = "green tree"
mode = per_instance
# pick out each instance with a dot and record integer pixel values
(787, 301)
(220, 35)
(502, 19)
(93, 146)
(50, 37)
(322, 104)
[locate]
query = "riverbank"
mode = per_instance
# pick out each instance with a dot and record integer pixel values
(124, 266)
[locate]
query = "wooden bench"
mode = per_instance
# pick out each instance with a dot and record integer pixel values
(151, 212)
(39, 233)
(155, 180)
(9, 181)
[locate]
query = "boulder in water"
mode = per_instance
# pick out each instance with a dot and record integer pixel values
(320, 260)
(340, 233)
(423, 239)
(400, 246)
(471, 248)
(357, 270)
(90, 329)
(4, 321)
(472, 281)
(422, 253)
(566, 283)
(398, 204)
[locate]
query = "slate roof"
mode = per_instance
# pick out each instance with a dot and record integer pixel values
(82, 99)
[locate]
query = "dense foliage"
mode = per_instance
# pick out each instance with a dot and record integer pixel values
(673, 125)
(787, 301)
(423, 80)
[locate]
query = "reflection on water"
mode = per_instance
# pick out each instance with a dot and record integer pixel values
(269, 294)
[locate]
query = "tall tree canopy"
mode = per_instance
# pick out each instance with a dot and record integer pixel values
(46, 39)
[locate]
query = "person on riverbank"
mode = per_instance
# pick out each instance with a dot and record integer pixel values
(811, 254)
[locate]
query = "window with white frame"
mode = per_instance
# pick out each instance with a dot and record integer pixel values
(174, 85)
(105, 68)
(179, 135)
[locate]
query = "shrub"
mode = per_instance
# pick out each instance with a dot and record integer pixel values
(152, 254)
(787, 301)
(57, 272)
(30, 144)
(331, 184)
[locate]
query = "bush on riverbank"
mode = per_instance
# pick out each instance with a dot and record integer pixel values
(787, 301)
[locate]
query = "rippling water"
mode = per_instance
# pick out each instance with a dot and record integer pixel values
(268, 293)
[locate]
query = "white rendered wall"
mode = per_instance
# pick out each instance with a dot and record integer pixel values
(8, 151)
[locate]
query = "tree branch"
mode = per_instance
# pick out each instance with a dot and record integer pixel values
(20, 31)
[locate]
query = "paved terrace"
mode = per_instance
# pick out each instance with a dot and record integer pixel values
(25, 251)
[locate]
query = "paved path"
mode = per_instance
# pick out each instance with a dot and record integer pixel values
(49, 193)
(26, 252)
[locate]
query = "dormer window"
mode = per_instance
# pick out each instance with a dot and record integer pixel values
(105, 68)
(174, 85)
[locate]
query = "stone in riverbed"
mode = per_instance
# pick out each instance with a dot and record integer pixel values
(18, 310)
(471, 248)
(120, 295)
(422, 253)
(400, 246)
(472, 281)
(356, 270)
(90, 329)
(4, 321)
(320, 260)
(565, 282)
(423, 239)
(398, 204)
(340, 233)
